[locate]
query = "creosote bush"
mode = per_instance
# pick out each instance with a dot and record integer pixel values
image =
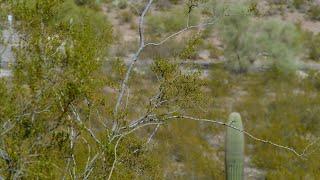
(56, 94)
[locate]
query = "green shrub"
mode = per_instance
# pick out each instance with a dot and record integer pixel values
(247, 41)
(175, 19)
(314, 47)
(83, 2)
(190, 51)
(89, 3)
(121, 4)
(125, 16)
(278, 2)
(314, 12)
(298, 3)
(279, 108)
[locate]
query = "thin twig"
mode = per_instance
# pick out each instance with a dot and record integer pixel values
(118, 141)
(153, 133)
(301, 155)
(181, 31)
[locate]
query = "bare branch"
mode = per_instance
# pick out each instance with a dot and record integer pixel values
(153, 133)
(118, 141)
(135, 57)
(180, 32)
(309, 145)
(78, 118)
(301, 155)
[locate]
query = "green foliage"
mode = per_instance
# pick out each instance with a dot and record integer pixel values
(180, 88)
(192, 46)
(314, 12)
(181, 159)
(314, 47)
(174, 1)
(126, 16)
(172, 48)
(220, 78)
(298, 3)
(248, 41)
(173, 20)
(121, 4)
(278, 107)
(234, 148)
(90, 3)
(57, 72)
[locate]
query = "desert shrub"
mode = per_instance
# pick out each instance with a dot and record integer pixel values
(231, 30)
(163, 4)
(121, 4)
(57, 71)
(314, 47)
(314, 12)
(274, 106)
(182, 159)
(190, 51)
(276, 111)
(215, 52)
(175, 1)
(209, 7)
(125, 16)
(247, 41)
(175, 19)
(298, 3)
(83, 2)
(278, 2)
(172, 49)
(94, 4)
(220, 78)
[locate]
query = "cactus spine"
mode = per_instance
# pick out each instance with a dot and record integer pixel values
(234, 156)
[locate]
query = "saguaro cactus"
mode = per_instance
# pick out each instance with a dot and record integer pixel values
(234, 156)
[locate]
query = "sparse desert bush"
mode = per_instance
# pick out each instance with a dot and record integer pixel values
(175, 19)
(314, 12)
(314, 47)
(175, 1)
(247, 40)
(83, 2)
(214, 51)
(125, 16)
(89, 3)
(121, 4)
(172, 49)
(278, 2)
(190, 51)
(163, 4)
(298, 3)
(220, 78)
(274, 105)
